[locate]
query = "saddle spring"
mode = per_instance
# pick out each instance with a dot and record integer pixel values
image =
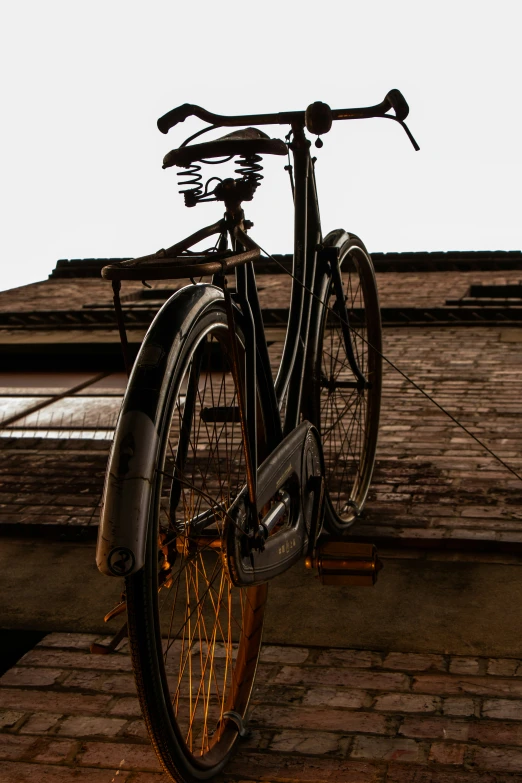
(249, 168)
(192, 177)
(193, 195)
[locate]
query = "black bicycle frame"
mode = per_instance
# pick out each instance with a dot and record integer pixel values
(315, 275)
(310, 263)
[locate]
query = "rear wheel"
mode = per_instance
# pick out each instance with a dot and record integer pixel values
(348, 417)
(195, 638)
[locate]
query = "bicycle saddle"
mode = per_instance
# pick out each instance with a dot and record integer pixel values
(246, 142)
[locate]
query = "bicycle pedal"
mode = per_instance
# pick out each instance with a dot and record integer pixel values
(345, 563)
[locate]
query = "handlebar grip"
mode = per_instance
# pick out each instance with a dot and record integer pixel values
(398, 103)
(172, 117)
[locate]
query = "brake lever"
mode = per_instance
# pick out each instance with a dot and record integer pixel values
(409, 135)
(405, 128)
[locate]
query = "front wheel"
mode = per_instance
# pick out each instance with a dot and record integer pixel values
(195, 638)
(347, 417)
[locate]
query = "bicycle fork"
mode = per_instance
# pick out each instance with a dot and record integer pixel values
(342, 312)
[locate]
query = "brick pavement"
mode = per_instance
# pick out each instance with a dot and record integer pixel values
(338, 716)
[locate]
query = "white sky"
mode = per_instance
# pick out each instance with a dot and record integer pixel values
(84, 82)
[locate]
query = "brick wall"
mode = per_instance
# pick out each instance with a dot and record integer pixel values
(432, 481)
(396, 289)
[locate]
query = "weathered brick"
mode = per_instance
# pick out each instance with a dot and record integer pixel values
(56, 752)
(136, 728)
(79, 641)
(463, 665)
(505, 709)
(351, 678)
(85, 726)
(387, 749)
(88, 679)
(287, 655)
(118, 755)
(356, 659)
(13, 747)
(455, 685)
(66, 659)
(407, 702)
(41, 723)
(350, 699)
(456, 706)
(447, 753)
(496, 732)
(16, 772)
(505, 667)
(435, 728)
(413, 773)
(286, 694)
(414, 662)
(274, 767)
(9, 718)
(126, 706)
(307, 743)
(501, 759)
(23, 676)
(52, 701)
(325, 719)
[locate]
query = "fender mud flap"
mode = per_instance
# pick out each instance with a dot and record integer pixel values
(297, 466)
(128, 486)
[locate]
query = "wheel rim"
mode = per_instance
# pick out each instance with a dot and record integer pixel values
(349, 416)
(210, 630)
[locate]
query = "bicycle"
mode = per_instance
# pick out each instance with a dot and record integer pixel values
(221, 478)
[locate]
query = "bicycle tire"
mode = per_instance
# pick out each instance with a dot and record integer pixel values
(194, 637)
(347, 419)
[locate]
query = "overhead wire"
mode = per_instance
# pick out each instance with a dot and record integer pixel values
(397, 369)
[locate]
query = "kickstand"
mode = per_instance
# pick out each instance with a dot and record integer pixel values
(105, 649)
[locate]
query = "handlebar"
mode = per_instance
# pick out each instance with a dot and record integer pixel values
(180, 114)
(394, 100)
(397, 101)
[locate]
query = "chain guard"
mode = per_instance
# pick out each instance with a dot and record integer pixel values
(296, 466)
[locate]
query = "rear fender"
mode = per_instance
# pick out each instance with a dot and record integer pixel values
(127, 495)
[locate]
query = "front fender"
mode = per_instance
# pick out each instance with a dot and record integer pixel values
(127, 495)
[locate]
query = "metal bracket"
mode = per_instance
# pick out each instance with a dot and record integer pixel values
(354, 505)
(328, 254)
(120, 320)
(244, 733)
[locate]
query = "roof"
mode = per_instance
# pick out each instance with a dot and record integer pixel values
(438, 261)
